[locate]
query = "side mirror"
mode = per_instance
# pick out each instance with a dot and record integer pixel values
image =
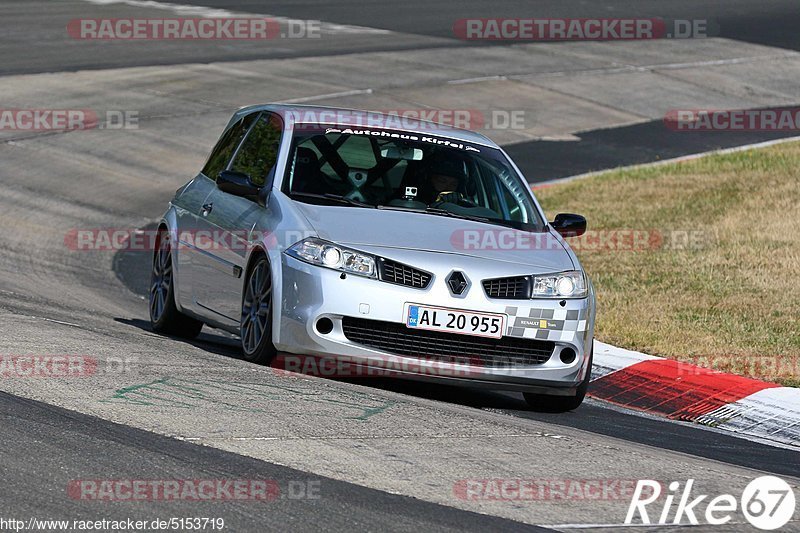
(569, 225)
(236, 183)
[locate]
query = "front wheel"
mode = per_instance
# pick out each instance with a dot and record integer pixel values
(561, 404)
(256, 323)
(164, 315)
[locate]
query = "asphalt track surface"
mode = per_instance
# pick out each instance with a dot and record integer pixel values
(43, 46)
(634, 144)
(54, 301)
(770, 23)
(30, 45)
(67, 444)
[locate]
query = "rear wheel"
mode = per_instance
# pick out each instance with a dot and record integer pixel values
(164, 315)
(256, 321)
(561, 404)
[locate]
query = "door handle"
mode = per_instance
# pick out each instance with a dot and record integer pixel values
(207, 208)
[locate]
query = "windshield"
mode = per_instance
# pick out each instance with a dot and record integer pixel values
(390, 169)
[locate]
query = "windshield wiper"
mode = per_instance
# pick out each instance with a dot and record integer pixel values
(334, 197)
(475, 218)
(446, 213)
(436, 211)
(523, 226)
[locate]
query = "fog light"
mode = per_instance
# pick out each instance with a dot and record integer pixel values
(567, 355)
(324, 325)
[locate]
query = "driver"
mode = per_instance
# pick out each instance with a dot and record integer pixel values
(445, 177)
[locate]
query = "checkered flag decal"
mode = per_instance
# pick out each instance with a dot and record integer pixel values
(545, 324)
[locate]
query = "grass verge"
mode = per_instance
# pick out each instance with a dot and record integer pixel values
(698, 260)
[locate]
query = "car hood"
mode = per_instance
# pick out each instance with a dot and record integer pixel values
(354, 226)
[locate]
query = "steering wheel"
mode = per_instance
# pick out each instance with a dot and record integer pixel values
(453, 197)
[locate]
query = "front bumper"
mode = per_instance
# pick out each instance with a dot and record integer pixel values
(309, 293)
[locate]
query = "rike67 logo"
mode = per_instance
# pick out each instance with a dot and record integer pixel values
(767, 502)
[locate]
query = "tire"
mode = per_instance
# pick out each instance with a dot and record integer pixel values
(164, 315)
(561, 404)
(255, 326)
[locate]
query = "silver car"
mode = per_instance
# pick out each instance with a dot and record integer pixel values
(379, 242)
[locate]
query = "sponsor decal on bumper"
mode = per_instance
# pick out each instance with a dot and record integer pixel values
(545, 324)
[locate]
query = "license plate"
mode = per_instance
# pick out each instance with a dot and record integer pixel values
(455, 321)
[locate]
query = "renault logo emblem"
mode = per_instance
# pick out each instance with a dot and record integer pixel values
(457, 283)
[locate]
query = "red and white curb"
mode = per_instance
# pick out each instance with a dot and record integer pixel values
(682, 391)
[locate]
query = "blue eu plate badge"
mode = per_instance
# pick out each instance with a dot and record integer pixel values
(413, 315)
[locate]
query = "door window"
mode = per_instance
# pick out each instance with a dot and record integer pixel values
(221, 155)
(259, 151)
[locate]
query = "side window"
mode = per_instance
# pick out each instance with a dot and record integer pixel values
(515, 211)
(499, 197)
(259, 152)
(221, 155)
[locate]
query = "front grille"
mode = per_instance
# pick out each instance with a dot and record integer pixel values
(517, 288)
(447, 347)
(400, 274)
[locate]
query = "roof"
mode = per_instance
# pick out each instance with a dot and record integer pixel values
(296, 114)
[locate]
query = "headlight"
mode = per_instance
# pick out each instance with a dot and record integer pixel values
(330, 255)
(564, 285)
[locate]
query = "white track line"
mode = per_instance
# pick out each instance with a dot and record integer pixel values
(186, 10)
(340, 94)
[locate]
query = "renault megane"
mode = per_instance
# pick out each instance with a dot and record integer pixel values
(340, 233)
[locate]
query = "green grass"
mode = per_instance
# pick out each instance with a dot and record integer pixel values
(732, 300)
